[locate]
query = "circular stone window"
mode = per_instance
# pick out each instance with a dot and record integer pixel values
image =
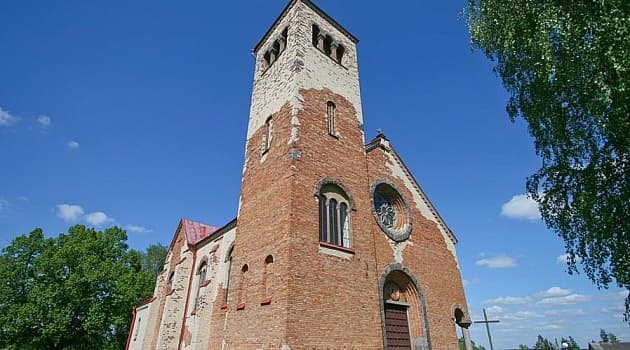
(391, 212)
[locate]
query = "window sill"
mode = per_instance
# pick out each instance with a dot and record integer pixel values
(240, 306)
(204, 283)
(224, 306)
(336, 250)
(335, 135)
(266, 301)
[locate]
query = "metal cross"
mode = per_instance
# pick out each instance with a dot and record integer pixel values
(487, 322)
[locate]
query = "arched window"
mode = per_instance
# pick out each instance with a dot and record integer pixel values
(241, 288)
(171, 277)
(340, 51)
(202, 271)
(267, 137)
(330, 116)
(228, 261)
(267, 277)
(315, 35)
(334, 216)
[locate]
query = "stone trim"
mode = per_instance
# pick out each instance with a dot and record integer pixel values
(337, 182)
(381, 284)
(395, 235)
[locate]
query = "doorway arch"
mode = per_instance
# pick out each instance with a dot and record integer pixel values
(404, 319)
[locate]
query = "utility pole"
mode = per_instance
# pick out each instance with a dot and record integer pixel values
(487, 322)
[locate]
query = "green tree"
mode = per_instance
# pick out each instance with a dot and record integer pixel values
(613, 338)
(566, 66)
(153, 258)
(74, 291)
(523, 347)
(543, 344)
(604, 336)
(571, 342)
(607, 337)
(462, 345)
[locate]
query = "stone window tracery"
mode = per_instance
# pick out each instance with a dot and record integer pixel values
(334, 216)
(391, 211)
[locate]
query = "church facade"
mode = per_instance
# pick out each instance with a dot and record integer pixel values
(335, 245)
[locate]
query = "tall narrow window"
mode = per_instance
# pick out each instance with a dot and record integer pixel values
(171, 277)
(334, 216)
(333, 222)
(242, 286)
(330, 115)
(340, 51)
(267, 276)
(323, 217)
(268, 131)
(345, 224)
(228, 261)
(202, 271)
(315, 35)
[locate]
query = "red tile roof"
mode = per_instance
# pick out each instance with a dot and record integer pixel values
(196, 231)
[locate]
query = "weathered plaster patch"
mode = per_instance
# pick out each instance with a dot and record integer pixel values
(398, 248)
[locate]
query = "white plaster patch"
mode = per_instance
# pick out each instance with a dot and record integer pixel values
(398, 248)
(301, 66)
(397, 170)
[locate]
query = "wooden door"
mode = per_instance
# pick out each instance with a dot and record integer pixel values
(397, 327)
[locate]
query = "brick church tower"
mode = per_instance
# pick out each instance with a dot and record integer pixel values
(335, 245)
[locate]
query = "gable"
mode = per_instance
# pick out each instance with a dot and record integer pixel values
(399, 169)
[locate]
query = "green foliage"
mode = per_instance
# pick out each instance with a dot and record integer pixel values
(603, 335)
(462, 345)
(566, 67)
(523, 347)
(544, 344)
(74, 291)
(607, 337)
(153, 259)
(571, 342)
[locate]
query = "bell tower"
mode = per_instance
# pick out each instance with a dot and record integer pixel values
(305, 136)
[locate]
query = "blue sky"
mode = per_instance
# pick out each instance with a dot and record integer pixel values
(135, 113)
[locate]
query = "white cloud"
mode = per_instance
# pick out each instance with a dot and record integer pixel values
(552, 326)
(73, 144)
(509, 300)
(6, 119)
(496, 309)
(564, 259)
(553, 292)
(43, 121)
(136, 228)
(69, 212)
(521, 315)
(97, 218)
(565, 300)
(521, 207)
(497, 262)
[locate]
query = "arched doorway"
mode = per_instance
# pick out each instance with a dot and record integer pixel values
(403, 312)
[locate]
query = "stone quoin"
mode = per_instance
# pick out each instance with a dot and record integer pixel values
(334, 246)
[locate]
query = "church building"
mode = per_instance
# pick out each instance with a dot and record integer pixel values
(334, 246)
